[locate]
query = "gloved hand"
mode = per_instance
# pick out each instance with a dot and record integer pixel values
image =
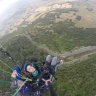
(47, 82)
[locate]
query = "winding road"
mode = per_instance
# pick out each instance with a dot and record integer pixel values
(68, 54)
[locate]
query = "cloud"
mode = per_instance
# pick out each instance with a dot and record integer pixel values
(4, 4)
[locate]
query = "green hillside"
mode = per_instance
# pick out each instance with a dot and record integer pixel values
(58, 36)
(74, 79)
(61, 36)
(56, 33)
(21, 50)
(77, 79)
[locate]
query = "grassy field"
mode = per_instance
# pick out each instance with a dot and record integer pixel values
(61, 36)
(88, 19)
(61, 30)
(77, 79)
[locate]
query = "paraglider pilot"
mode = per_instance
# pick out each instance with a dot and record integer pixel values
(41, 77)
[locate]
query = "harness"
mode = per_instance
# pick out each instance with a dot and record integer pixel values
(37, 85)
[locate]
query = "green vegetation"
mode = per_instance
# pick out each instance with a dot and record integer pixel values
(21, 50)
(78, 18)
(62, 36)
(59, 37)
(78, 79)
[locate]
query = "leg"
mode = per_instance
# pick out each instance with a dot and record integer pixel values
(49, 59)
(55, 63)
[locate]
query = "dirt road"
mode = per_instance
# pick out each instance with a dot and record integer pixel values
(75, 52)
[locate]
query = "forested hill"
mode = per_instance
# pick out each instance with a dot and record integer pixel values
(21, 50)
(77, 79)
(74, 79)
(61, 31)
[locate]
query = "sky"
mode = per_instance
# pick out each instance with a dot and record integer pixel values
(4, 4)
